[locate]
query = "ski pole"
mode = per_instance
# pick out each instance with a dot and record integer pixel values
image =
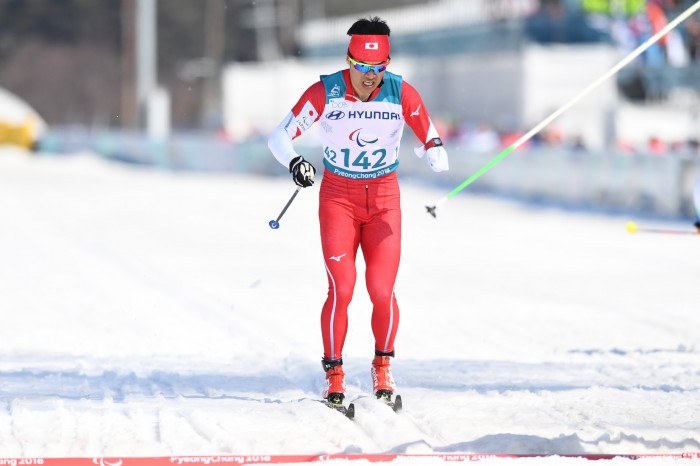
(622, 63)
(275, 224)
(632, 227)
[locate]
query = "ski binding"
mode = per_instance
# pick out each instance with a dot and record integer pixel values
(385, 395)
(336, 402)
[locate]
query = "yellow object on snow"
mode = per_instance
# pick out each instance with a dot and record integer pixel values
(20, 125)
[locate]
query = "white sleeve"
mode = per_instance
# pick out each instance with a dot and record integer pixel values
(280, 141)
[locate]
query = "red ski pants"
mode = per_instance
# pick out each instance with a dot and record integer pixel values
(367, 214)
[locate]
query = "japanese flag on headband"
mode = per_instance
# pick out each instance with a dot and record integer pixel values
(369, 48)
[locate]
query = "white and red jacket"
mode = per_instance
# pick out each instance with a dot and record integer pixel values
(360, 139)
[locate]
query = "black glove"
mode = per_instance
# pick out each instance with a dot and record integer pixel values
(302, 172)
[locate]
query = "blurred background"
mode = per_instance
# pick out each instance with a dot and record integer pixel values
(197, 85)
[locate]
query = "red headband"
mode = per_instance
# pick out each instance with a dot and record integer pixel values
(369, 48)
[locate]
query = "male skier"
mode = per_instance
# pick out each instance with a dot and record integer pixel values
(362, 111)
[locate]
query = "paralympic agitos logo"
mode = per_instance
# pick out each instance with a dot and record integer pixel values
(361, 140)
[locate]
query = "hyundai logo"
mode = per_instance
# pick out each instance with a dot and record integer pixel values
(335, 115)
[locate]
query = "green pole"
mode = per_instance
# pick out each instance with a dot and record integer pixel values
(622, 63)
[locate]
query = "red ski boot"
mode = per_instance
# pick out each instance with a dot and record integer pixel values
(334, 393)
(335, 384)
(383, 382)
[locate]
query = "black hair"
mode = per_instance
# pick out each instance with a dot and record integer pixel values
(370, 26)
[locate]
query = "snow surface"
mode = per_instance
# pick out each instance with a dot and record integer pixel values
(149, 313)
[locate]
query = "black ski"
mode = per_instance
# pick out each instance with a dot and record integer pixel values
(385, 395)
(335, 401)
(348, 411)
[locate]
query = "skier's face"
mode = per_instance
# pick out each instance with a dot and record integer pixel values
(365, 77)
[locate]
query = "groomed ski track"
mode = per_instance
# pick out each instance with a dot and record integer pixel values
(149, 315)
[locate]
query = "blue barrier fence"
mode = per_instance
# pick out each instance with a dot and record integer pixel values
(646, 184)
